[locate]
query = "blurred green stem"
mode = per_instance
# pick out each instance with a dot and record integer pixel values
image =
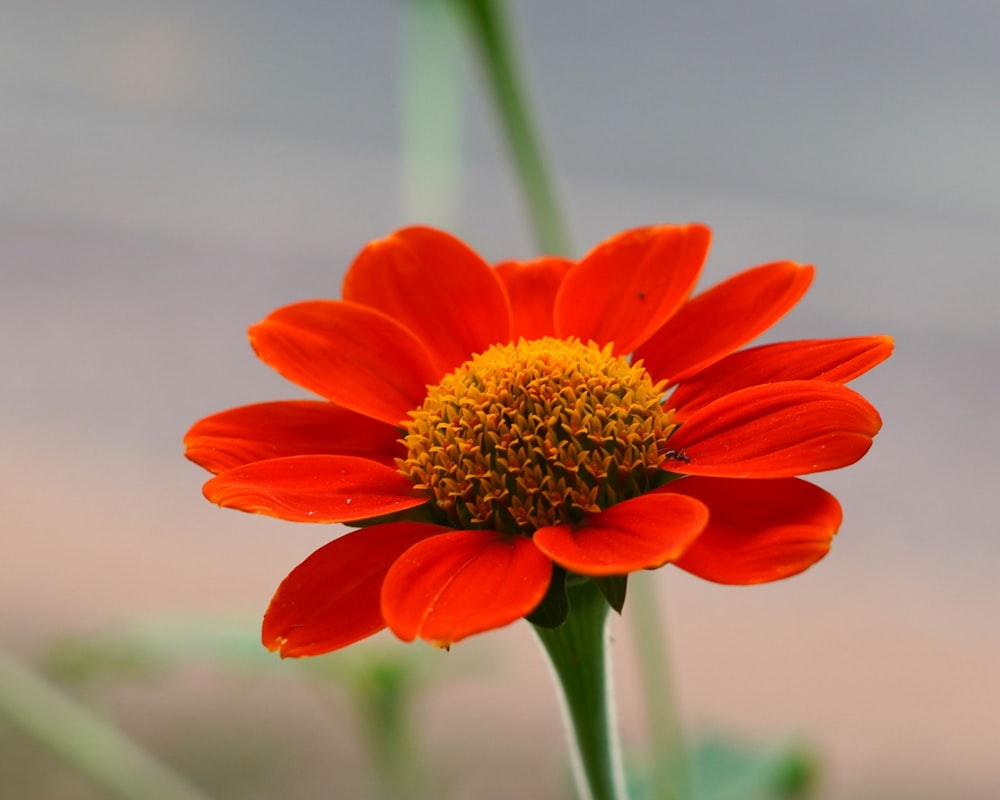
(94, 747)
(669, 774)
(431, 102)
(489, 31)
(578, 652)
(385, 693)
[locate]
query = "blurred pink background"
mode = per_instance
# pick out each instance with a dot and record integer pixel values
(174, 170)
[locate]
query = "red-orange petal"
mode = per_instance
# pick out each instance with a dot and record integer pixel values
(457, 584)
(437, 287)
(353, 355)
(834, 360)
(628, 286)
(643, 533)
(777, 430)
(714, 323)
(333, 598)
(283, 428)
(314, 489)
(532, 287)
(758, 531)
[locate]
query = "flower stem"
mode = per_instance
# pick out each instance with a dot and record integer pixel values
(489, 31)
(85, 741)
(578, 652)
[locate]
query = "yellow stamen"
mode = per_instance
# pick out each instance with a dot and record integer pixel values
(537, 433)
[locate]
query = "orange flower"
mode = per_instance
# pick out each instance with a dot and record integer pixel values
(491, 430)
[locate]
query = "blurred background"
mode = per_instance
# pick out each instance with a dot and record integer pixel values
(171, 171)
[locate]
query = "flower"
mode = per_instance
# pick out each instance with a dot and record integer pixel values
(493, 430)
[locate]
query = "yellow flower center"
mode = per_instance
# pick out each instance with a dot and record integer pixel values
(537, 433)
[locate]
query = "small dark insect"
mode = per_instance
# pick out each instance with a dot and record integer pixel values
(642, 295)
(677, 455)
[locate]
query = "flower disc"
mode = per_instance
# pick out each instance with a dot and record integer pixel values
(537, 433)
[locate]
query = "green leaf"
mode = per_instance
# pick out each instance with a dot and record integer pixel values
(552, 611)
(613, 588)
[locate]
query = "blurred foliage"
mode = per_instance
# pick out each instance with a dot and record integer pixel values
(379, 684)
(726, 768)
(345, 726)
(150, 649)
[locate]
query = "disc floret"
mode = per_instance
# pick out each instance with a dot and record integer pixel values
(537, 433)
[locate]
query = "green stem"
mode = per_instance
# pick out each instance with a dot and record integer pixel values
(88, 743)
(670, 778)
(578, 652)
(431, 80)
(489, 30)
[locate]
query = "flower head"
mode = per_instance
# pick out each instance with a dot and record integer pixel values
(495, 431)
